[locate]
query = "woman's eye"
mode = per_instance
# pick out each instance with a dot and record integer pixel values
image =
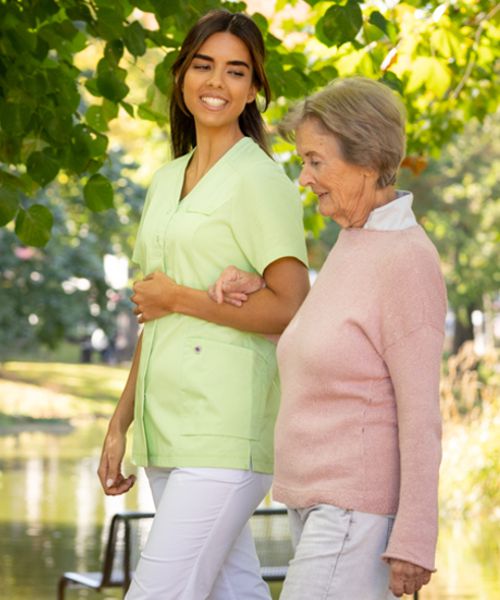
(200, 67)
(237, 73)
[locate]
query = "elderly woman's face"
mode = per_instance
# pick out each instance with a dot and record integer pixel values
(346, 192)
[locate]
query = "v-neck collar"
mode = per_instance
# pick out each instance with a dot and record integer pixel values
(214, 168)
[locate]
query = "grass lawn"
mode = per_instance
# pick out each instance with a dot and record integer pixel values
(57, 391)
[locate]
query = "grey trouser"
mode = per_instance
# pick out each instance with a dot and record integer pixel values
(338, 555)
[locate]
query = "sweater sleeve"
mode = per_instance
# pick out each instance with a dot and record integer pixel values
(414, 366)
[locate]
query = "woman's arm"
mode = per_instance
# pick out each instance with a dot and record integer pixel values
(234, 286)
(113, 450)
(266, 311)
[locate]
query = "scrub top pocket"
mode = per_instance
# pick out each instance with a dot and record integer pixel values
(225, 388)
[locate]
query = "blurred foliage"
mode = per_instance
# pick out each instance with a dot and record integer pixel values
(81, 79)
(457, 200)
(59, 291)
(54, 115)
(470, 394)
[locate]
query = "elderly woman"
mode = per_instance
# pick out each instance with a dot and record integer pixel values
(357, 441)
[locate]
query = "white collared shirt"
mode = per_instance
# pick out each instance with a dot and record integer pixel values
(395, 215)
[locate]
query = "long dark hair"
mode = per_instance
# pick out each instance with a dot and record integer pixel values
(183, 133)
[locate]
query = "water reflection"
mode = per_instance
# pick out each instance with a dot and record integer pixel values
(33, 486)
(53, 512)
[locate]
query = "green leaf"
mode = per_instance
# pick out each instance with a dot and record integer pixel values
(159, 39)
(163, 74)
(111, 81)
(147, 113)
(42, 167)
(57, 127)
(135, 39)
(22, 39)
(272, 41)
(79, 12)
(430, 71)
(96, 118)
(446, 43)
(109, 109)
(113, 52)
(97, 144)
(91, 85)
(98, 193)
(33, 226)
(340, 24)
(14, 117)
(144, 5)
(378, 19)
(77, 152)
(109, 23)
(261, 22)
(44, 9)
(128, 107)
(393, 81)
(9, 203)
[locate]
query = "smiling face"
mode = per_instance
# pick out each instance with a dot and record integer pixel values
(219, 82)
(346, 192)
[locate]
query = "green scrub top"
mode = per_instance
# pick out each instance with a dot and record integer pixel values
(207, 395)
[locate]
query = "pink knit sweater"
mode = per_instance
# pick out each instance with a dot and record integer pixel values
(359, 425)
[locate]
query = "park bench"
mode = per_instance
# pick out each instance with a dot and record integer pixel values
(128, 531)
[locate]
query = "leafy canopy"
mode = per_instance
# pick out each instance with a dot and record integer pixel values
(54, 116)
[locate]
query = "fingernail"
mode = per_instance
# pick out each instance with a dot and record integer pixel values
(109, 482)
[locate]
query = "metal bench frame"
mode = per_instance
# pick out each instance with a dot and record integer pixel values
(98, 580)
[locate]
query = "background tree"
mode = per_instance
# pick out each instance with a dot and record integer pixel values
(73, 73)
(440, 54)
(60, 292)
(458, 203)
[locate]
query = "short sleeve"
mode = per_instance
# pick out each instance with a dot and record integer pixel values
(266, 217)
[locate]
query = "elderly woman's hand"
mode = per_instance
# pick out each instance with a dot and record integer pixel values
(234, 285)
(407, 578)
(154, 296)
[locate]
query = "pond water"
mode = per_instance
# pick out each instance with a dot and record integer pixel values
(52, 513)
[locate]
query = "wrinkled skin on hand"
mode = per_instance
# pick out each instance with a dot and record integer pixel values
(234, 286)
(407, 578)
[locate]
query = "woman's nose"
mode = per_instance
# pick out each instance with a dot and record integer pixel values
(215, 78)
(305, 178)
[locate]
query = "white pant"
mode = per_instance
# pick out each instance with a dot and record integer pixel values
(200, 545)
(338, 555)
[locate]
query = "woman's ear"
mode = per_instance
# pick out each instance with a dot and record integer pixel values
(370, 173)
(252, 94)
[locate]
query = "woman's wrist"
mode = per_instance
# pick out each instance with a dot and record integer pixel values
(118, 425)
(177, 299)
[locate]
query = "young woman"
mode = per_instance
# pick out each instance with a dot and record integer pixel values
(203, 388)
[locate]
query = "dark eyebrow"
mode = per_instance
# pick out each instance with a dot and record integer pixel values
(235, 63)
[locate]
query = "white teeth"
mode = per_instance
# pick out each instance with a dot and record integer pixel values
(215, 102)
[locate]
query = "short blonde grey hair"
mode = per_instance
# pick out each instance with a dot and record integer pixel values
(366, 118)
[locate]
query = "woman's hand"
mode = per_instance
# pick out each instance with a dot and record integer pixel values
(234, 285)
(109, 471)
(407, 578)
(153, 296)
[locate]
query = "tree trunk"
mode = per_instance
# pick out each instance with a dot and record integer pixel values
(463, 330)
